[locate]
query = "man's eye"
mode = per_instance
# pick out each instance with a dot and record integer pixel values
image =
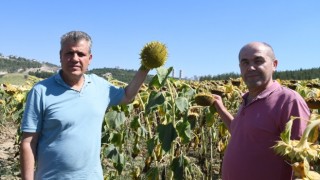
(244, 63)
(259, 61)
(81, 54)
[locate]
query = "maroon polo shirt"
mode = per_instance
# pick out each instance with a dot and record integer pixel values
(256, 128)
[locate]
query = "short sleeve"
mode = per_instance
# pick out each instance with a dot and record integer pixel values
(33, 114)
(296, 108)
(116, 95)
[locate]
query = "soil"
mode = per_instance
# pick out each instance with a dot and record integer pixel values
(9, 166)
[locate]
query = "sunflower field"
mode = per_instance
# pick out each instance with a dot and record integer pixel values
(165, 134)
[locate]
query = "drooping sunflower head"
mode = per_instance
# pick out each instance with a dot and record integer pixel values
(204, 99)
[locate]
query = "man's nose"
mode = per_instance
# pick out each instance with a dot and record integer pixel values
(251, 67)
(74, 57)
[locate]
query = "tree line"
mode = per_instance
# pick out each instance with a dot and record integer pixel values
(12, 64)
(301, 74)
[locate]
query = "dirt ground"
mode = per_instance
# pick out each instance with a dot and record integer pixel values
(9, 166)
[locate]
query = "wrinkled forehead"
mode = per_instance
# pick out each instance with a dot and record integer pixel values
(73, 42)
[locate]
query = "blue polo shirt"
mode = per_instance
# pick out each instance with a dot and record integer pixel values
(69, 124)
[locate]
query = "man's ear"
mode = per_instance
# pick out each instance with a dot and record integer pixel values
(275, 64)
(90, 58)
(60, 56)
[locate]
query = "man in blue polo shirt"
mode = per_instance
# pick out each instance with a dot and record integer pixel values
(63, 116)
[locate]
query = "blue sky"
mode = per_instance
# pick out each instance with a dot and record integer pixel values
(203, 37)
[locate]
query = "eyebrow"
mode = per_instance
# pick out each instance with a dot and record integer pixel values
(255, 57)
(244, 59)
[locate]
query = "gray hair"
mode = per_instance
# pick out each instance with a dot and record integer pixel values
(75, 36)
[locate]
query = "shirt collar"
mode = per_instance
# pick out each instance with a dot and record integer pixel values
(59, 80)
(265, 92)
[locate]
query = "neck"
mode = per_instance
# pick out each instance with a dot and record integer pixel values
(75, 82)
(254, 92)
(249, 99)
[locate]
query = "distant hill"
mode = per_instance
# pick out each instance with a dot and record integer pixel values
(14, 64)
(19, 65)
(123, 75)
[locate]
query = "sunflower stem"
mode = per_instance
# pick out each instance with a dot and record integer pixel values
(304, 139)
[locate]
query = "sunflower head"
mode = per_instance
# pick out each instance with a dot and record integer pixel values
(204, 99)
(153, 55)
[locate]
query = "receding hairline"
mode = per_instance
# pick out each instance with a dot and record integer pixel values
(270, 51)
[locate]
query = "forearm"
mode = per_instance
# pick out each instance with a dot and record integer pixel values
(225, 115)
(222, 111)
(27, 160)
(27, 155)
(133, 87)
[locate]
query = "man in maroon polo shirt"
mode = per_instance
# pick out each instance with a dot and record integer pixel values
(265, 110)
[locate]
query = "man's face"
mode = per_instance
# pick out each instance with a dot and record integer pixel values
(256, 66)
(75, 58)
